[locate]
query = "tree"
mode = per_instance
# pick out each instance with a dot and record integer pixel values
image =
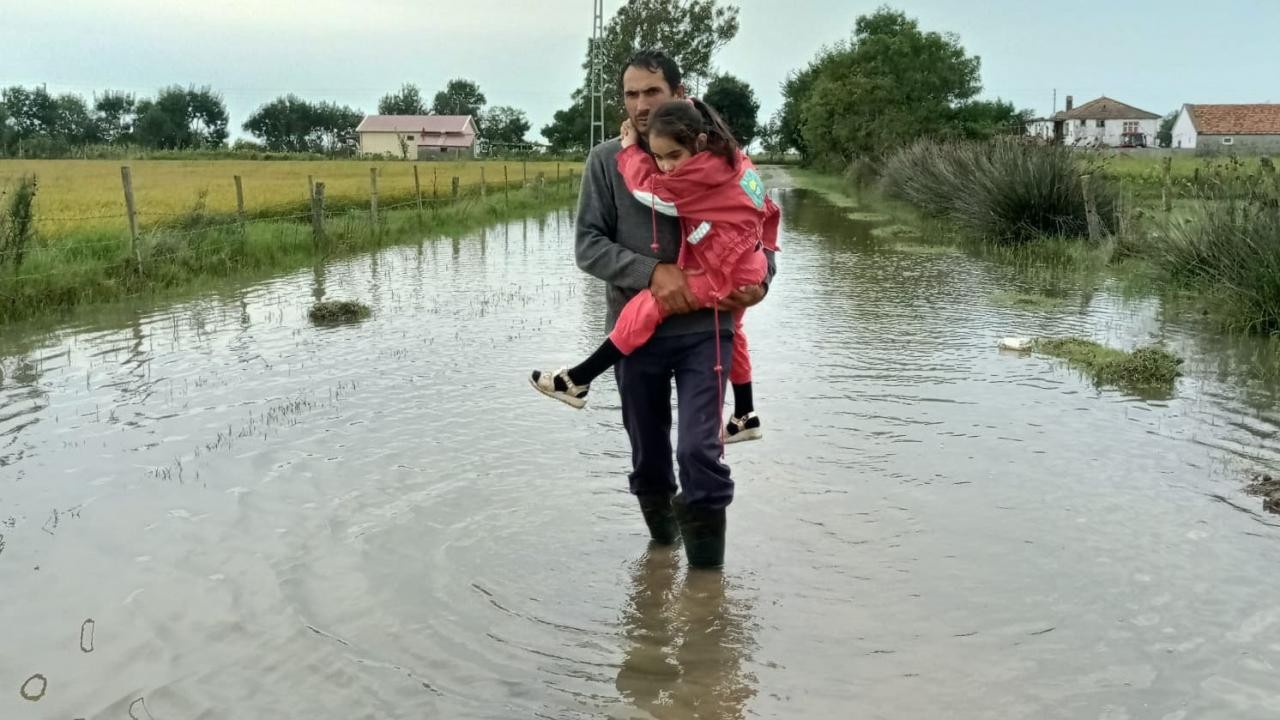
(736, 102)
(73, 125)
(795, 92)
(336, 125)
(116, 116)
(1164, 136)
(771, 137)
(505, 125)
(689, 31)
(408, 101)
(181, 118)
(459, 97)
(891, 84)
(984, 119)
(285, 124)
(207, 117)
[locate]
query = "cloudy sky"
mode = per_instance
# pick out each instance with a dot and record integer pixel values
(1155, 54)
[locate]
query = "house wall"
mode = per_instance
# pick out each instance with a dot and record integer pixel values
(385, 143)
(1087, 132)
(439, 152)
(1240, 145)
(1184, 132)
(1041, 129)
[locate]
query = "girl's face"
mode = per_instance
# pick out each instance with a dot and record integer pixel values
(668, 153)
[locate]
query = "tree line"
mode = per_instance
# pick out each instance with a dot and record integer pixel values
(889, 84)
(36, 123)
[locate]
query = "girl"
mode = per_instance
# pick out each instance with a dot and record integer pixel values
(697, 173)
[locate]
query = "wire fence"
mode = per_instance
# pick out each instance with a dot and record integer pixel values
(200, 233)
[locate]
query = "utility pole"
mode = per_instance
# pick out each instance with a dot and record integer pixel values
(595, 79)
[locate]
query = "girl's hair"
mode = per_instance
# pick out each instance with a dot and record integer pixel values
(684, 120)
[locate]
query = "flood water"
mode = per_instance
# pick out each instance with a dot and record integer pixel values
(211, 509)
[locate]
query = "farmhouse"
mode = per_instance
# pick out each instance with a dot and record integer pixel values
(1211, 129)
(1101, 122)
(421, 137)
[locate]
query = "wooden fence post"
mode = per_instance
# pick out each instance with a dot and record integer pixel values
(506, 181)
(483, 189)
(542, 183)
(525, 164)
(311, 186)
(1090, 210)
(455, 186)
(240, 202)
(435, 188)
(557, 173)
(126, 178)
(317, 213)
(373, 195)
(1167, 189)
(417, 189)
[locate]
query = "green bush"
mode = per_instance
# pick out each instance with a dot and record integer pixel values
(1004, 191)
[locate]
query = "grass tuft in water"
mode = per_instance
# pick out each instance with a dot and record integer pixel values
(1147, 367)
(868, 217)
(338, 311)
(1027, 301)
(895, 231)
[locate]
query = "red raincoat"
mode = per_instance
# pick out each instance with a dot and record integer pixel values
(724, 212)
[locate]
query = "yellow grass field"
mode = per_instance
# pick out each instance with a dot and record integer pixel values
(76, 194)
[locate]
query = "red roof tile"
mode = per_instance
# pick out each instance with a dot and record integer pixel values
(1259, 119)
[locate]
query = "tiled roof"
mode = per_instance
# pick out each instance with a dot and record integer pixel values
(1259, 119)
(417, 123)
(1104, 108)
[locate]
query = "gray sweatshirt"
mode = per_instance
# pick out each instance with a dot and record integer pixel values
(614, 242)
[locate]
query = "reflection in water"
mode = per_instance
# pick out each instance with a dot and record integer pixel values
(686, 644)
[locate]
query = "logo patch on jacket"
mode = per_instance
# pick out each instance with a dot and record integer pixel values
(753, 186)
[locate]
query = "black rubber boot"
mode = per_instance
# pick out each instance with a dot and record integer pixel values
(660, 517)
(703, 532)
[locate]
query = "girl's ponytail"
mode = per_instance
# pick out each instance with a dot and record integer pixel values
(720, 140)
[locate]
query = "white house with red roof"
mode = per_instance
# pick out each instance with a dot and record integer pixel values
(1209, 129)
(418, 137)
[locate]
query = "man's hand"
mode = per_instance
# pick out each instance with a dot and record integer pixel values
(671, 290)
(628, 133)
(742, 298)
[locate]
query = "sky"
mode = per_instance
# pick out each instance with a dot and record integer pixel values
(1153, 54)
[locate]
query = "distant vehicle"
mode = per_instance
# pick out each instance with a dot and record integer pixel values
(1133, 140)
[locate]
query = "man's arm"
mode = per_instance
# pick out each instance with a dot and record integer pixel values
(595, 250)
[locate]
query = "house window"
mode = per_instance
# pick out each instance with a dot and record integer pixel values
(1131, 126)
(1228, 141)
(409, 138)
(1102, 123)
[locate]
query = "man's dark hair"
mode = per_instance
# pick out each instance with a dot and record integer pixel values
(654, 61)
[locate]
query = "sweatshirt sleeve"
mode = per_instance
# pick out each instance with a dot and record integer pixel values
(595, 249)
(644, 182)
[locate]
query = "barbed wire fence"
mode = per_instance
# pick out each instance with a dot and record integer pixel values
(170, 232)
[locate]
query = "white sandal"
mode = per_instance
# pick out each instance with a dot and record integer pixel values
(546, 383)
(742, 429)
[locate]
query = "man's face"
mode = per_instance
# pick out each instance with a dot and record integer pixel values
(642, 92)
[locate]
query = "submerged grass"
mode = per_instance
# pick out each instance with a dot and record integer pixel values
(97, 265)
(331, 312)
(1146, 368)
(1027, 301)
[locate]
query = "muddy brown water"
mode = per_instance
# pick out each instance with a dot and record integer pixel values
(211, 509)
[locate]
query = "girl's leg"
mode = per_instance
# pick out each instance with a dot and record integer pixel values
(636, 324)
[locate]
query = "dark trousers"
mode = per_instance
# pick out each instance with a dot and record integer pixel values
(644, 384)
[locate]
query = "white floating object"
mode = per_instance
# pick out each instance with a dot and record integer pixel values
(1012, 343)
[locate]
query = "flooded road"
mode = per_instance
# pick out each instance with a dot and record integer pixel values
(214, 510)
